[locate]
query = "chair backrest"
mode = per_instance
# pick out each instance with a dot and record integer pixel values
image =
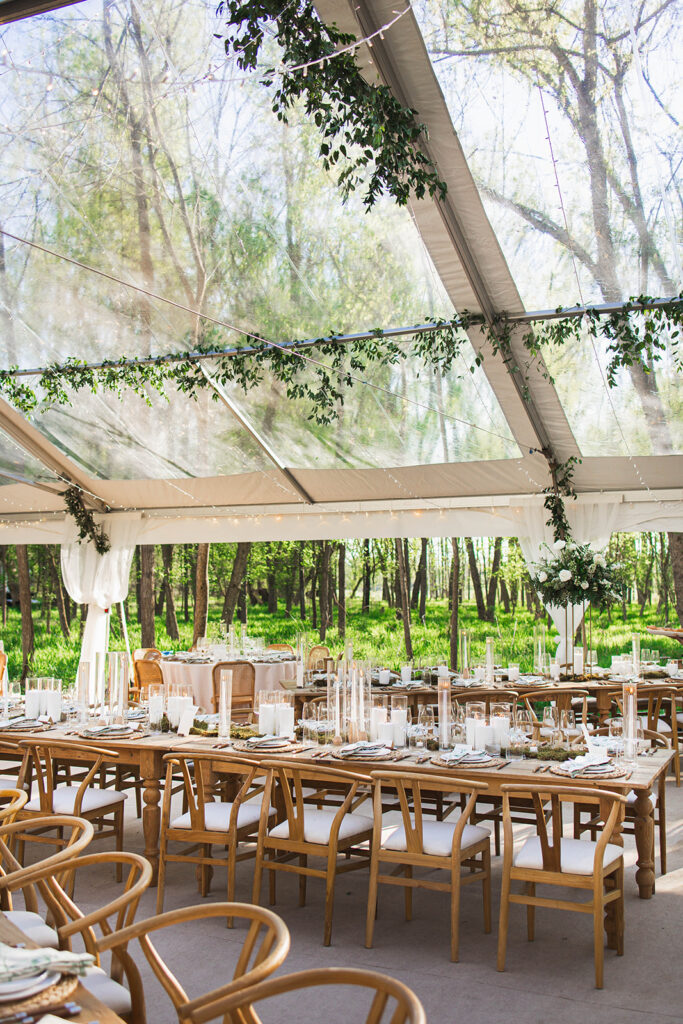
(146, 654)
(3, 663)
(147, 672)
(317, 657)
(657, 739)
(285, 784)
(250, 775)
(609, 812)
(392, 1001)
(265, 947)
(280, 647)
(408, 787)
(487, 695)
(13, 875)
(12, 800)
(560, 698)
(243, 685)
(41, 754)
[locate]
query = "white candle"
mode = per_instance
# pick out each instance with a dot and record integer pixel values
(444, 699)
(299, 674)
(406, 673)
(578, 661)
(442, 672)
(555, 671)
(483, 736)
(501, 729)
(173, 711)
(384, 676)
(378, 717)
(32, 704)
(284, 720)
(479, 673)
(399, 721)
(156, 710)
(513, 672)
(470, 731)
(53, 702)
(266, 719)
(386, 733)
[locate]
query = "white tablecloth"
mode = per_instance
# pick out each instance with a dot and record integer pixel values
(268, 676)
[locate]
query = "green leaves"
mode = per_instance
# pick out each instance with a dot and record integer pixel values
(87, 527)
(361, 124)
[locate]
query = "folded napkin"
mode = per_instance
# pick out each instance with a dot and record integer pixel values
(595, 760)
(360, 753)
(16, 964)
(462, 753)
(267, 741)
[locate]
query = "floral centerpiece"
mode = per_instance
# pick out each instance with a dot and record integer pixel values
(574, 574)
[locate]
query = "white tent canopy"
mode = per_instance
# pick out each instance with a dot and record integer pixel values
(418, 455)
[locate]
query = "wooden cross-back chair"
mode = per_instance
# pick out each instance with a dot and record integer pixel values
(307, 831)
(280, 647)
(104, 807)
(451, 846)
(392, 1001)
(147, 654)
(95, 925)
(487, 695)
(549, 859)
(567, 699)
(265, 947)
(208, 822)
(243, 686)
(11, 801)
(657, 710)
(146, 672)
(318, 656)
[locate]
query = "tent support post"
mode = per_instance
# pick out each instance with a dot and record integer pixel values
(263, 444)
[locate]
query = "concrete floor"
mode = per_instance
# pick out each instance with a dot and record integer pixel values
(548, 980)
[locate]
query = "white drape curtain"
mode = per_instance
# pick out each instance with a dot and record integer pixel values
(98, 580)
(590, 524)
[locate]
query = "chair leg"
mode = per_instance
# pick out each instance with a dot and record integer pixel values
(372, 903)
(530, 913)
(205, 871)
(661, 820)
(329, 900)
(496, 836)
(486, 890)
(258, 874)
(455, 913)
(409, 893)
(503, 920)
(303, 862)
(619, 912)
(118, 825)
(598, 939)
(161, 881)
(272, 884)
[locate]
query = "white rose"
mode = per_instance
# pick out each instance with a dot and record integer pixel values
(565, 575)
(559, 544)
(584, 585)
(591, 570)
(542, 577)
(600, 560)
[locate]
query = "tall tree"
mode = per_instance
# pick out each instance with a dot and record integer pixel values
(201, 593)
(147, 622)
(239, 568)
(171, 618)
(27, 632)
(341, 582)
(404, 596)
(455, 603)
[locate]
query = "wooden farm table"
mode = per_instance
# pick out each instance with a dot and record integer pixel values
(642, 780)
(91, 1007)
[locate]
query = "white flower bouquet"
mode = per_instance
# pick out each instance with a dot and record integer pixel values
(574, 574)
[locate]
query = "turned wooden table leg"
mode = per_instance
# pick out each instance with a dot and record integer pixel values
(644, 828)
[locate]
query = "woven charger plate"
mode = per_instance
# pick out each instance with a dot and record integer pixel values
(463, 764)
(368, 757)
(615, 772)
(284, 748)
(55, 995)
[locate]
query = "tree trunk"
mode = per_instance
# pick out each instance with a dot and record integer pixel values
(504, 596)
(493, 581)
(232, 594)
(476, 579)
(302, 581)
(201, 593)
(58, 591)
(676, 556)
(404, 599)
(365, 603)
(325, 552)
(341, 604)
(27, 634)
(242, 605)
(455, 604)
(147, 624)
(3, 590)
(171, 617)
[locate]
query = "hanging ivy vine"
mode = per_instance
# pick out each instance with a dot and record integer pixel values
(85, 521)
(365, 131)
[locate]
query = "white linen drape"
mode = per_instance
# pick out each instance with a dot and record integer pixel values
(590, 524)
(98, 580)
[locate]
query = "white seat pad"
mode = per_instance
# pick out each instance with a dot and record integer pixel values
(576, 855)
(64, 799)
(108, 991)
(217, 816)
(33, 926)
(437, 837)
(662, 726)
(318, 824)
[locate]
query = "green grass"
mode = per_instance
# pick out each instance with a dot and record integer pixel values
(377, 635)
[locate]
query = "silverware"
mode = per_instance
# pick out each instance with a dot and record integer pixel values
(539, 768)
(503, 764)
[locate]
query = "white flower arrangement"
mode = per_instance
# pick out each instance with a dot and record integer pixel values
(574, 574)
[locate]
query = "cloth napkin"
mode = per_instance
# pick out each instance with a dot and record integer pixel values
(594, 759)
(26, 963)
(461, 752)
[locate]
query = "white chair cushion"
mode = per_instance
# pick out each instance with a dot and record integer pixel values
(108, 991)
(437, 837)
(217, 816)
(632, 796)
(662, 726)
(33, 926)
(64, 799)
(318, 825)
(576, 855)
(679, 717)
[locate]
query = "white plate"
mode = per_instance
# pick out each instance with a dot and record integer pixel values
(26, 987)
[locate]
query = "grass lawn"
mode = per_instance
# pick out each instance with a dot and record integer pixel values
(377, 635)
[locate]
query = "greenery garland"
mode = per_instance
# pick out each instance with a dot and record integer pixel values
(85, 521)
(364, 128)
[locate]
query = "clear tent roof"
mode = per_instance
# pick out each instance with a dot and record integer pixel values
(134, 148)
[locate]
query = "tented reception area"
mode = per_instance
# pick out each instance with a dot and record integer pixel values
(341, 511)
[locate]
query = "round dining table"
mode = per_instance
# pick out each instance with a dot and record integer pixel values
(268, 676)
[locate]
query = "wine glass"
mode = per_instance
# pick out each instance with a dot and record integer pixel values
(309, 722)
(551, 721)
(524, 723)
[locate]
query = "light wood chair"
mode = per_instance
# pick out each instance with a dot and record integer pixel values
(280, 647)
(458, 847)
(658, 712)
(596, 867)
(146, 672)
(306, 831)
(11, 801)
(318, 656)
(103, 807)
(208, 822)
(487, 695)
(95, 925)
(146, 654)
(264, 949)
(392, 1001)
(29, 920)
(657, 804)
(567, 699)
(243, 685)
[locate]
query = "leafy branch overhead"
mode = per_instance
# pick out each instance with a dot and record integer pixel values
(85, 521)
(366, 132)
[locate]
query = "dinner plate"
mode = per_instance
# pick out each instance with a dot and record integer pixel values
(13, 991)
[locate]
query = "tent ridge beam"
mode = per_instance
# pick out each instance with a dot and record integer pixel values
(260, 441)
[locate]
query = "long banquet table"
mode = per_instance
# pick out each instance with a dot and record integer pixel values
(147, 752)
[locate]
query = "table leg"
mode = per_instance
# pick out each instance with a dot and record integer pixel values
(644, 828)
(151, 820)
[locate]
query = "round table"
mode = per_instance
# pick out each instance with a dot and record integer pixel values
(269, 675)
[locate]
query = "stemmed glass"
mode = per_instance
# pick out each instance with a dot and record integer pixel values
(309, 722)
